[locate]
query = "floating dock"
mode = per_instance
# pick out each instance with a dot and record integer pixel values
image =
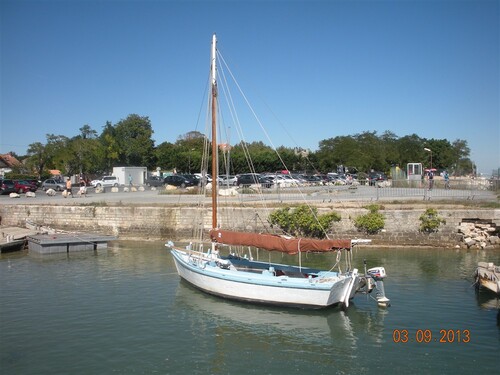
(67, 242)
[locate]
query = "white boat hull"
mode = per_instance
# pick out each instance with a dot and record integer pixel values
(202, 272)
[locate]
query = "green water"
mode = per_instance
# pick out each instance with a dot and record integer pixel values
(124, 310)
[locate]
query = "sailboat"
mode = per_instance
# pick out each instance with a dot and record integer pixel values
(245, 279)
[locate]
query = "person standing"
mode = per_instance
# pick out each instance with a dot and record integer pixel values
(68, 188)
(130, 180)
(83, 188)
(430, 175)
(446, 180)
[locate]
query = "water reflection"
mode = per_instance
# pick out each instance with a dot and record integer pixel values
(312, 330)
(487, 300)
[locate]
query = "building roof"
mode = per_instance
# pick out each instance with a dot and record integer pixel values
(8, 161)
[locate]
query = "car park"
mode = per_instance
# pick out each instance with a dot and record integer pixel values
(7, 186)
(52, 183)
(178, 180)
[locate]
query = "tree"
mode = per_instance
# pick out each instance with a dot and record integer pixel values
(87, 132)
(110, 146)
(165, 155)
(133, 136)
(37, 158)
(410, 148)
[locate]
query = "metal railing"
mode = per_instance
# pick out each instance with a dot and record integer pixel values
(458, 189)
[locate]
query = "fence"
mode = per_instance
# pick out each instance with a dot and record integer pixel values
(458, 189)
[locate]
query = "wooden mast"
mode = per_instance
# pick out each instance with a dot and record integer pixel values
(214, 133)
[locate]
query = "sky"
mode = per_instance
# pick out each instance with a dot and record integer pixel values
(325, 68)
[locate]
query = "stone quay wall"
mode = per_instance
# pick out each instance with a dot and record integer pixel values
(176, 223)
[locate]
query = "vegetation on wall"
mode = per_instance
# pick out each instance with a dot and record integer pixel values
(430, 221)
(303, 221)
(372, 222)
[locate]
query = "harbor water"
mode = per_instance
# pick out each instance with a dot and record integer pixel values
(124, 310)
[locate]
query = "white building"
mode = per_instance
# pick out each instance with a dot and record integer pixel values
(138, 174)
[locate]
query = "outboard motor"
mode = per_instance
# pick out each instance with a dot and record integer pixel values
(378, 274)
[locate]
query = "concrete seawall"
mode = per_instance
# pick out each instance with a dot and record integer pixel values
(176, 222)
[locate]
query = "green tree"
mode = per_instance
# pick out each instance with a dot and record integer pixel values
(110, 147)
(133, 136)
(165, 155)
(37, 158)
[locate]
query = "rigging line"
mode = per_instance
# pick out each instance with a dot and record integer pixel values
(288, 134)
(302, 194)
(202, 102)
(232, 110)
(255, 116)
(225, 88)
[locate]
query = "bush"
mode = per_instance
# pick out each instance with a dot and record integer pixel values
(303, 221)
(372, 222)
(430, 221)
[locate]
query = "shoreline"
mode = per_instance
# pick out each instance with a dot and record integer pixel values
(150, 216)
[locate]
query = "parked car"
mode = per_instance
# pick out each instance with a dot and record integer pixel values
(192, 178)
(248, 179)
(228, 180)
(7, 186)
(22, 186)
(154, 181)
(105, 181)
(375, 177)
(178, 180)
(204, 178)
(52, 183)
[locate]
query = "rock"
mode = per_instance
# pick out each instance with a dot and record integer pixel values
(30, 194)
(114, 189)
(51, 192)
(14, 195)
(384, 184)
(494, 240)
(228, 192)
(125, 189)
(469, 241)
(141, 188)
(170, 187)
(99, 190)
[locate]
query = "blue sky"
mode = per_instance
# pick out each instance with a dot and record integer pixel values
(326, 68)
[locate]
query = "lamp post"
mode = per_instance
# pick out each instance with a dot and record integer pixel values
(429, 150)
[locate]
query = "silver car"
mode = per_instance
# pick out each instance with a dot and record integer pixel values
(51, 183)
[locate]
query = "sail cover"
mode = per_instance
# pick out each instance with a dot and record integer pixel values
(274, 242)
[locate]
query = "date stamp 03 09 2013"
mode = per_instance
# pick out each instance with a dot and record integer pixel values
(426, 336)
